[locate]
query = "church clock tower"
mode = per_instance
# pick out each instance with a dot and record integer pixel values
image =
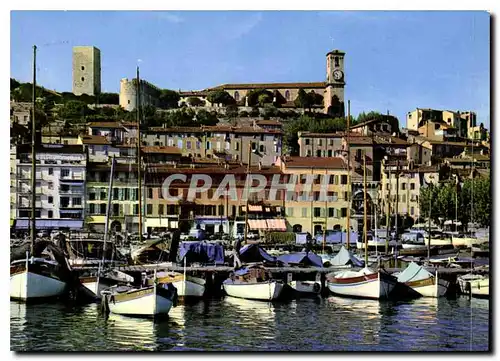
(335, 83)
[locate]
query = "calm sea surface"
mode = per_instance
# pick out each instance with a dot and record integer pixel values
(229, 324)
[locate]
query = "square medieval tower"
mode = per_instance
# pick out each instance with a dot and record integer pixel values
(86, 70)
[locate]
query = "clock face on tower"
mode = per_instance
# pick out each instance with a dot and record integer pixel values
(337, 74)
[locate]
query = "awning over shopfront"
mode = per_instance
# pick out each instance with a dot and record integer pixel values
(50, 224)
(257, 224)
(276, 224)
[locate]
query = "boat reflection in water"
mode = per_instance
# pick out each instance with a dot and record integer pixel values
(362, 334)
(251, 312)
(140, 334)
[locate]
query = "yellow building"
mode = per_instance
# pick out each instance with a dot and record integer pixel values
(307, 210)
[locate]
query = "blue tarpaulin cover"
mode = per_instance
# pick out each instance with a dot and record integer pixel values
(307, 258)
(202, 252)
(336, 237)
(254, 253)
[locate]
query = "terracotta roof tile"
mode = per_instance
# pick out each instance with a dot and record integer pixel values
(315, 162)
(268, 122)
(270, 86)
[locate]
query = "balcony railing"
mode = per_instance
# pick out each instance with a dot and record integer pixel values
(71, 191)
(72, 178)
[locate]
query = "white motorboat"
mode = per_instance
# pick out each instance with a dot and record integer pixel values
(474, 284)
(148, 301)
(365, 283)
(422, 281)
(254, 284)
(36, 278)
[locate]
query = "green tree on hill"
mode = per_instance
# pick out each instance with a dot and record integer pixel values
(169, 99)
(195, 101)
(220, 97)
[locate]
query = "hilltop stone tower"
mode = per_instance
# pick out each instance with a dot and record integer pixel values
(335, 83)
(86, 70)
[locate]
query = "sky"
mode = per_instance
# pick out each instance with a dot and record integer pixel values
(395, 61)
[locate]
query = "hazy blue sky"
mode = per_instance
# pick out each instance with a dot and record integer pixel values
(395, 61)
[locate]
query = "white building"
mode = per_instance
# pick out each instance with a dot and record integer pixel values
(13, 196)
(60, 186)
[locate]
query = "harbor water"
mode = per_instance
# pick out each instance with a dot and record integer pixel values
(230, 324)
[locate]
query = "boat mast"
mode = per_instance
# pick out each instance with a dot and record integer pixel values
(108, 209)
(246, 182)
(139, 190)
(348, 175)
(429, 231)
(33, 158)
(365, 226)
(472, 188)
(388, 215)
(326, 210)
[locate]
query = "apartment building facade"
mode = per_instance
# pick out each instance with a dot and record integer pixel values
(220, 142)
(306, 209)
(60, 186)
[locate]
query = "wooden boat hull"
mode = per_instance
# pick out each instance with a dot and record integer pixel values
(478, 286)
(309, 287)
(264, 291)
(430, 287)
(146, 302)
(373, 286)
(187, 287)
(27, 285)
(466, 241)
(94, 289)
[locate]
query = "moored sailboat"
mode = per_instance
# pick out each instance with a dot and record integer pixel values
(36, 277)
(366, 283)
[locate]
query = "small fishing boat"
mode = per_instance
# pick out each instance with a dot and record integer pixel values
(93, 285)
(36, 278)
(253, 283)
(305, 287)
(147, 301)
(187, 286)
(474, 284)
(303, 284)
(365, 283)
(422, 281)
